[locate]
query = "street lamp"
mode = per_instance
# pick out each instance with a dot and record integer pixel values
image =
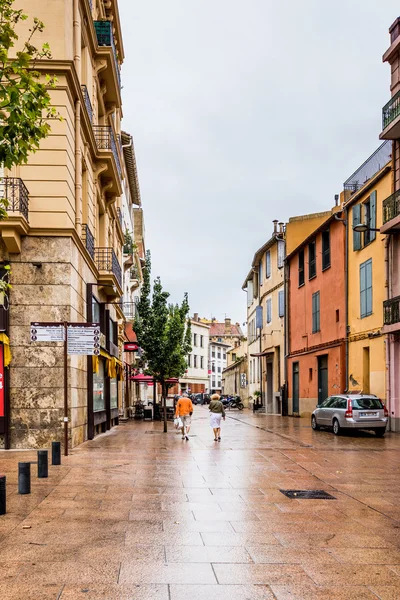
(363, 228)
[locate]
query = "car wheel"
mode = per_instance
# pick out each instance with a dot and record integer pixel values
(314, 423)
(336, 427)
(380, 432)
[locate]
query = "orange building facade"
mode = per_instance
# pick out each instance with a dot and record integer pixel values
(316, 319)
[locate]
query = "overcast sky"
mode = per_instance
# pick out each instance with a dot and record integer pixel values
(245, 111)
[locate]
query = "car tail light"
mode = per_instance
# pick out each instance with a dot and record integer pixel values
(349, 412)
(385, 411)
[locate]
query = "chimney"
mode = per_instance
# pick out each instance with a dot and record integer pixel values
(196, 317)
(275, 222)
(336, 199)
(227, 326)
(280, 227)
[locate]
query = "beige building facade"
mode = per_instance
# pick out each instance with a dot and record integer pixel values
(234, 376)
(64, 237)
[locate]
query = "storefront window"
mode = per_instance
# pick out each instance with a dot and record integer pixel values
(113, 393)
(96, 311)
(99, 399)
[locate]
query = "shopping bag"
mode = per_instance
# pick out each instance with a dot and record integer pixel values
(178, 423)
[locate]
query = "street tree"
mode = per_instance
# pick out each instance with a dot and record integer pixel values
(25, 103)
(163, 332)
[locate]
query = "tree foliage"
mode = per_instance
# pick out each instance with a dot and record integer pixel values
(25, 103)
(163, 331)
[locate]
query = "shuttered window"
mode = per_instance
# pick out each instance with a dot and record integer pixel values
(326, 249)
(281, 254)
(312, 261)
(315, 313)
(260, 269)
(366, 288)
(301, 267)
(356, 213)
(370, 218)
(269, 310)
(281, 302)
(268, 263)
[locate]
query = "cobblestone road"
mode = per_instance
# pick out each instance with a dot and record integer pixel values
(136, 514)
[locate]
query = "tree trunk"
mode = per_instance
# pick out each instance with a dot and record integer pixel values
(164, 395)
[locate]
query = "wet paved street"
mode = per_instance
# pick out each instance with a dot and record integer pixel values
(136, 514)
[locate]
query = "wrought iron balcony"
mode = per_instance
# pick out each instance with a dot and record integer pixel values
(391, 110)
(130, 310)
(391, 311)
(88, 104)
(106, 260)
(88, 239)
(105, 140)
(105, 37)
(391, 207)
(14, 191)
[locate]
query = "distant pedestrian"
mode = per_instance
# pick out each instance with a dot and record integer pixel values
(217, 412)
(184, 410)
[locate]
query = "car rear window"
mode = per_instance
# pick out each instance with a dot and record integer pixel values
(366, 403)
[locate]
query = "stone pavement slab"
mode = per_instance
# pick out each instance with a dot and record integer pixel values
(132, 515)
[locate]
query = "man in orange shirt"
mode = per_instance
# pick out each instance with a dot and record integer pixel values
(184, 410)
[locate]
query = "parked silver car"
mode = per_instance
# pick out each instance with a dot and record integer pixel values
(351, 411)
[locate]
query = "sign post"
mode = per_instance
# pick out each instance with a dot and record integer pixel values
(78, 339)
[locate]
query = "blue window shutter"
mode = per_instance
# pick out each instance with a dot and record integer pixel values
(260, 268)
(363, 298)
(281, 253)
(281, 303)
(268, 263)
(372, 218)
(356, 221)
(269, 310)
(368, 281)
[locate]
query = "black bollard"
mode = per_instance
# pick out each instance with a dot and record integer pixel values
(43, 463)
(24, 478)
(56, 453)
(2, 494)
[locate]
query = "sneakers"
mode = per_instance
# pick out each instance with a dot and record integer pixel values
(186, 438)
(219, 439)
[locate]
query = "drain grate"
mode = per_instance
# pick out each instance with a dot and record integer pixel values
(307, 494)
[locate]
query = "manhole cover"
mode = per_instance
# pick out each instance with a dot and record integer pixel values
(308, 494)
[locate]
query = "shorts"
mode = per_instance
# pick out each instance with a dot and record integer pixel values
(187, 420)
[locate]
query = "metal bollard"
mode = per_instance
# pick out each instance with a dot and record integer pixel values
(2, 494)
(24, 478)
(56, 453)
(43, 463)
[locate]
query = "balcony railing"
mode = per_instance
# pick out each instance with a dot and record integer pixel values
(391, 207)
(88, 239)
(106, 260)
(369, 168)
(88, 104)
(391, 110)
(105, 140)
(391, 311)
(105, 38)
(14, 191)
(129, 309)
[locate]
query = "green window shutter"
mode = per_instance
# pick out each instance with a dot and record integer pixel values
(368, 283)
(356, 221)
(363, 291)
(372, 218)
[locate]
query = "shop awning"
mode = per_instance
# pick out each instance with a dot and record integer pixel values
(265, 353)
(140, 378)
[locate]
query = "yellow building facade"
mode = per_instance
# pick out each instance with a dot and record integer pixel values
(366, 281)
(65, 233)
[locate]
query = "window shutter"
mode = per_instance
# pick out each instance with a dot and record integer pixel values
(269, 310)
(356, 221)
(368, 286)
(268, 264)
(281, 253)
(372, 218)
(260, 267)
(281, 304)
(363, 298)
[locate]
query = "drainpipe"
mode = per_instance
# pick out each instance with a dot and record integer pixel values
(77, 37)
(346, 293)
(285, 412)
(388, 338)
(78, 170)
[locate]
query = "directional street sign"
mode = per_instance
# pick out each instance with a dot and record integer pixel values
(83, 338)
(47, 332)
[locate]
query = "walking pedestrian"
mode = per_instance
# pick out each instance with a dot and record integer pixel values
(184, 410)
(217, 412)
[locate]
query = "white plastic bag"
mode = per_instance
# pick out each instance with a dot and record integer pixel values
(178, 423)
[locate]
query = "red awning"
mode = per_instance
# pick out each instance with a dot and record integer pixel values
(141, 378)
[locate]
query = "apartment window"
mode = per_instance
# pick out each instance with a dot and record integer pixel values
(326, 249)
(370, 218)
(260, 270)
(219, 369)
(195, 361)
(213, 354)
(213, 383)
(219, 385)
(219, 340)
(356, 217)
(281, 254)
(268, 263)
(315, 313)
(233, 357)
(366, 288)
(201, 341)
(189, 360)
(201, 362)
(312, 262)
(195, 339)
(251, 371)
(301, 267)
(219, 354)
(281, 303)
(224, 355)
(213, 368)
(269, 310)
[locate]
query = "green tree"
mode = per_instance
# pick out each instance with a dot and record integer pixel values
(163, 332)
(25, 103)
